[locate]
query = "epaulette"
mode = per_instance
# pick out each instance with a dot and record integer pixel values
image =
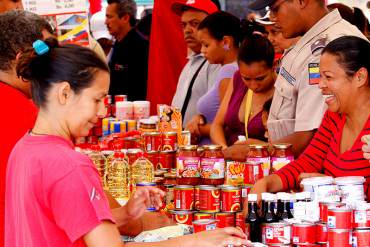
(318, 45)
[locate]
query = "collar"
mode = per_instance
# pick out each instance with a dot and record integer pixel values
(194, 57)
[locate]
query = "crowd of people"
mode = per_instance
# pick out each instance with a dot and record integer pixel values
(299, 75)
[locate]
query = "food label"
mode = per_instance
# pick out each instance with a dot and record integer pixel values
(188, 167)
(234, 173)
(278, 163)
(266, 164)
(212, 168)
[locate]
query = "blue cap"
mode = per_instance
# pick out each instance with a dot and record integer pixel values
(40, 47)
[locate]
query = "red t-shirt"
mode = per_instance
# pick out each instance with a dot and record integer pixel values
(53, 196)
(18, 114)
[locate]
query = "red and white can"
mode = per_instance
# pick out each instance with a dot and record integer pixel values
(240, 221)
(169, 141)
(303, 233)
(230, 199)
(324, 209)
(153, 157)
(184, 197)
(167, 159)
(152, 141)
(209, 199)
(196, 197)
(276, 233)
(225, 219)
(361, 237)
(203, 216)
(340, 218)
(252, 172)
(245, 191)
(321, 233)
(204, 225)
(182, 217)
(339, 238)
(361, 215)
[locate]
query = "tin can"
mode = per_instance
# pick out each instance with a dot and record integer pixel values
(252, 172)
(169, 141)
(225, 219)
(184, 197)
(131, 142)
(131, 125)
(340, 218)
(230, 199)
(153, 157)
(196, 197)
(115, 127)
(209, 199)
(339, 237)
(361, 215)
(276, 233)
(182, 217)
(204, 225)
(169, 199)
(361, 237)
(303, 233)
(321, 233)
(119, 98)
(245, 189)
(324, 209)
(152, 141)
(202, 216)
(133, 154)
(167, 159)
(240, 221)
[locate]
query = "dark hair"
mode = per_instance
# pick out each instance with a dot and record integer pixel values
(74, 64)
(352, 53)
(256, 48)
(18, 30)
(126, 7)
(354, 16)
(267, 105)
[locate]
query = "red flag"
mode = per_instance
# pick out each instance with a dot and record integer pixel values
(167, 54)
(95, 6)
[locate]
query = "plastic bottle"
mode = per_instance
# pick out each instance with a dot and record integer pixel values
(284, 209)
(253, 219)
(142, 171)
(269, 215)
(99, 160)
(119, 177)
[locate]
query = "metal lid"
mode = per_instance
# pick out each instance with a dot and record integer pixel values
(208, 187)
(184, 187)
(258, 146)
(212, 147)
(146, 184)
(189, 148)
(154, 133)
(152, 152)
(167, 151)
(170, 133)
(228, 187)
(169, 175)
(204, 221)
(134, 150)
(282, 145)
(224, 213)
(181, 212)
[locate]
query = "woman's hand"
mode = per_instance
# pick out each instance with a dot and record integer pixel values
(309, 175)
(366, 147)
(220, 238)
(193, 125)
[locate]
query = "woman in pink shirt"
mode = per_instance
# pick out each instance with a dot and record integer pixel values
(54, 196)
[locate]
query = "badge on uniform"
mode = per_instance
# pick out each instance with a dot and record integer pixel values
(317, 46)
(314, 73)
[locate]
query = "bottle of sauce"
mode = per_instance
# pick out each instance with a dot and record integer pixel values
(283, 211)
(188, 165)
(281, 156)
(253, 219)
(212, 165)
(269, 215)
(258, 153)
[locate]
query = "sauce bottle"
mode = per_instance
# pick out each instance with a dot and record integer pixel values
(268, 215)
(253, 219)
(283, 211)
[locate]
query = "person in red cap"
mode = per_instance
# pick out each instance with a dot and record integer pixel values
(198, 76)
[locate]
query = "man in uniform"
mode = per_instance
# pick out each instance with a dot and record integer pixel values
(298, 106)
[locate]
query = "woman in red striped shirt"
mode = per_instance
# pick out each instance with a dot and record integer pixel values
(336, 149)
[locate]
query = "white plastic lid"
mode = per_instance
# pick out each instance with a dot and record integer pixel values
(283, 196)
(252, 197)
(268, 197)
(299, 196)
(314, 181)
(120, 104)
(147, 121)
(307, 195)
(362, 205)
(349, 180)
(142, 103)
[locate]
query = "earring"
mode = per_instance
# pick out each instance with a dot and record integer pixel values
(226, 47)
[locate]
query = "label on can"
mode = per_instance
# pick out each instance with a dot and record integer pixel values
(188, 167)
(230, 200)
(278, 163)
(252, 172)
(234, 173)
(266, 164)
(212, 168)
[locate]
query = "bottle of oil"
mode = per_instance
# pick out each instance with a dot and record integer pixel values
(142, 171)
(109, 158)
(118, 179)
(99, 160)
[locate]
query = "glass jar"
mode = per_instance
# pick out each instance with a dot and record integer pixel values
(188, 165)
(281, 156)
(169, 178)
(258, 153)
(212, 165)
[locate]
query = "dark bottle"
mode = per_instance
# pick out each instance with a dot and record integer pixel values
(253, 219)
(269, 215)
(284, 208)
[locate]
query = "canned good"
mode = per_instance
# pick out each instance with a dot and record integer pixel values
(361, 215)
(361, 237)
(131, 142)
(281, 156)
(202, 216)
(182, 217)
(184, 197)
(339, 237)
(196, 197)
(252, 172)
(204, 225)
(209, 199)
(276, 233)
(340, 218)
(234, 173)
(324, 209)
(225, 219)
(169, 195)
(303, 233)
(230, 199)
(148, 125)
(212, 165)
(133, 154)
(240, 222)
(153, 157)
(131, 125)
(115, 127)
(167, 159)
(169, 141)
(152, 141)
(188, 165)
(321, 233)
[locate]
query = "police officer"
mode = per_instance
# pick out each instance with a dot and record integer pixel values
(298, 106)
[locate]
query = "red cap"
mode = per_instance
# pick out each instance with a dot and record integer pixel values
(202, 5)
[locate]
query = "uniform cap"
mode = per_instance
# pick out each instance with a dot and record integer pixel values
(260, 4)
(97, 26)
(202, 5)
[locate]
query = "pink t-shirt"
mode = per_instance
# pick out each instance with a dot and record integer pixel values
(53, 194)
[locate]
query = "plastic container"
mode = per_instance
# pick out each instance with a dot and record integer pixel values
(141, 109)
(322, 189)
(124, 110)
(351, 188)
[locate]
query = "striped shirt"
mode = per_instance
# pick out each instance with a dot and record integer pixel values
(323, 155)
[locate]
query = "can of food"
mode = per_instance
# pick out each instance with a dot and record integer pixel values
(230, 199)
(131, 142)
(152, 141)
(182, 217)
(133, 154)
(245, 191)
(169, 199)
(361, 215)
(225, 219)
(153, 157)
(303, 233)
(361, 237)
(209, 199)
(169, 141)
(131, 125)
(324, 209)
(196, 197)
(119, 98)
(234, 173)
(340, 218)
(339, 237)
(184, 197)
(204, 225)
(276, 233)
(97, 131)
(202, 216)
(186, 137)
(321, 233)
(115, 127)
(252, 172)
(167, 159)
(240, 221)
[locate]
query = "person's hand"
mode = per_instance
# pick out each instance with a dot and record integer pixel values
(154, 220)
(193, 125)
(222, 237)
(236, 152)
(366, 147)
(143, 198)
(309, 175)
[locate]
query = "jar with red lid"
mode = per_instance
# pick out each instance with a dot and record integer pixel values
(188, 165)
(258, 153)
(212, 165)
(281, 156)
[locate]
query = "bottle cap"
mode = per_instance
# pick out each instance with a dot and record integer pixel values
(252, 197)
(283, 196)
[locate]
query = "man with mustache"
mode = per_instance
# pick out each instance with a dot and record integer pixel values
(198, 76)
